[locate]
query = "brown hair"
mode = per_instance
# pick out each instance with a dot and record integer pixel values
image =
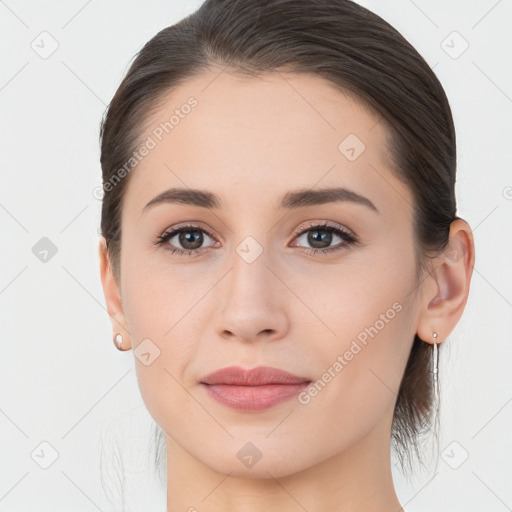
(352, 48)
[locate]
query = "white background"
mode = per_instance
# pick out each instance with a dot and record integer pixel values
(61, 379)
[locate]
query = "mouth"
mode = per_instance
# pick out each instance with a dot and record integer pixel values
(253, 390)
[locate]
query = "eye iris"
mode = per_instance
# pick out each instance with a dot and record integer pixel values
(196, 239)
(325, 238)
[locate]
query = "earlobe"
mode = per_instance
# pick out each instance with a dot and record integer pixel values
(112, 295)
(446, 296)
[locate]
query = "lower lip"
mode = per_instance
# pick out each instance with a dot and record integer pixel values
(253, 398)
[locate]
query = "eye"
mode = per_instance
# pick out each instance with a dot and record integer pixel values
(320, 236)
(190, 237)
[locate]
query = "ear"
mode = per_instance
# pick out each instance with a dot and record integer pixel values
(446, 291)
(112, 293)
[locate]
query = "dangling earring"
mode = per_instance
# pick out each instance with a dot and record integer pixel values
(436, 370)
(118, 341)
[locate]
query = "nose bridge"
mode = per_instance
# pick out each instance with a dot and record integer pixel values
(250, 301)
(249, 275)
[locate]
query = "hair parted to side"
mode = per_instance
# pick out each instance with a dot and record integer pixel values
(357, 51)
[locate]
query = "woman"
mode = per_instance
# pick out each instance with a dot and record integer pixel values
(281, 251)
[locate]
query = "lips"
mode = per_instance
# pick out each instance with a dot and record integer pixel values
(259, 376)
(253, 390)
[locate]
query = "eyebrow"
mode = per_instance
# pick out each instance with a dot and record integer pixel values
(291, 200)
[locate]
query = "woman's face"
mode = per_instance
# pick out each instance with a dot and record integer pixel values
(253, 293)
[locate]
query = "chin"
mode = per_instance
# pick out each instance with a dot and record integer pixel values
(261, 470)
(246, 459)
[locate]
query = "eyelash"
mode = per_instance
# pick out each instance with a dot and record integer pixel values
(345, 235)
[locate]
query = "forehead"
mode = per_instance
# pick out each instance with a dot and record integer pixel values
(255, 138)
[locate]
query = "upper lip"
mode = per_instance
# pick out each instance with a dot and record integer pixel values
(259, 376)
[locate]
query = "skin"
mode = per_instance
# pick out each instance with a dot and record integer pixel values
(251, 140)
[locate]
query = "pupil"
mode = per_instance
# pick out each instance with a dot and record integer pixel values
(196, 239)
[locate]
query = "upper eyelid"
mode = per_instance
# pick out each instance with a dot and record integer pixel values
(175, 230)
(323, 224)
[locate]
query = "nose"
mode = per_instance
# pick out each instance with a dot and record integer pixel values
(252, 301)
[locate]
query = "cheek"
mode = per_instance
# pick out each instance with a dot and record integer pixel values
(366, 321)
(358, 371)
(156, 312)
(156, 308)
(160, 317)
(155, 295)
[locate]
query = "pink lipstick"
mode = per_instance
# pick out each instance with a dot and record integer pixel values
(255, 389)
